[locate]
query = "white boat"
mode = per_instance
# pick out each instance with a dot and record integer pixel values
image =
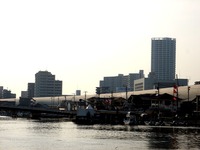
(130, 119)
(85, 115)
(5, 118)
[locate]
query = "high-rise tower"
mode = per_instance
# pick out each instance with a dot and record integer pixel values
(163, 58)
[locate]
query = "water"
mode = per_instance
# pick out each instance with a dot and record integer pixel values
(22, 134)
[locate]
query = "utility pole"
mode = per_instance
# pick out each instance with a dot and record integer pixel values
(74, 96)
(126, 93)
(158, 88)
(177, 97)
(177, 92)
(188, 93)
(111, 94)
(85, 95)
(98, 91)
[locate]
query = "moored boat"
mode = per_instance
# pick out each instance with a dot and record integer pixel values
(5, 118)
(130, 119)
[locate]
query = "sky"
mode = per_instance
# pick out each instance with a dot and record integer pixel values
(82, 41)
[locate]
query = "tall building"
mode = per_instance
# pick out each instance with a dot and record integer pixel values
(46, 85)
(163, 66)
(163, 59)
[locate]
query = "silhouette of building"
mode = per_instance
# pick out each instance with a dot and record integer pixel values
(46, 85)
(31, 89)
(24, 94)
(7, 94)
(119, 83)
(143, 84)
(78, 92)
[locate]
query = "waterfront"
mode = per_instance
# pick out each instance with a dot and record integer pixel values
(23, 134)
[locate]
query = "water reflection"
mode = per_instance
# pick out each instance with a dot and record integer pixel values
(29, 134)
(44, 127)
(154, 137)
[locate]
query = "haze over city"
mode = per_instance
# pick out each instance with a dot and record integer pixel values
(82, 41)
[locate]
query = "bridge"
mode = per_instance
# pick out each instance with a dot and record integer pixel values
(34, 112)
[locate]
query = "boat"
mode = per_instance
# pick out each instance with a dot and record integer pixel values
(6, 118)
(130, 119)
(85, 115)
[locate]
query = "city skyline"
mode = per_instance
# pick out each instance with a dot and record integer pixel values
(83, 41)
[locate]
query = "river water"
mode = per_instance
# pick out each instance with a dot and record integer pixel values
(23, 134)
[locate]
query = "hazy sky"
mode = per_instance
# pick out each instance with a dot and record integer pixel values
(82, 41)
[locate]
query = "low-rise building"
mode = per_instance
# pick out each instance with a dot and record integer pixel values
(117, 83)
